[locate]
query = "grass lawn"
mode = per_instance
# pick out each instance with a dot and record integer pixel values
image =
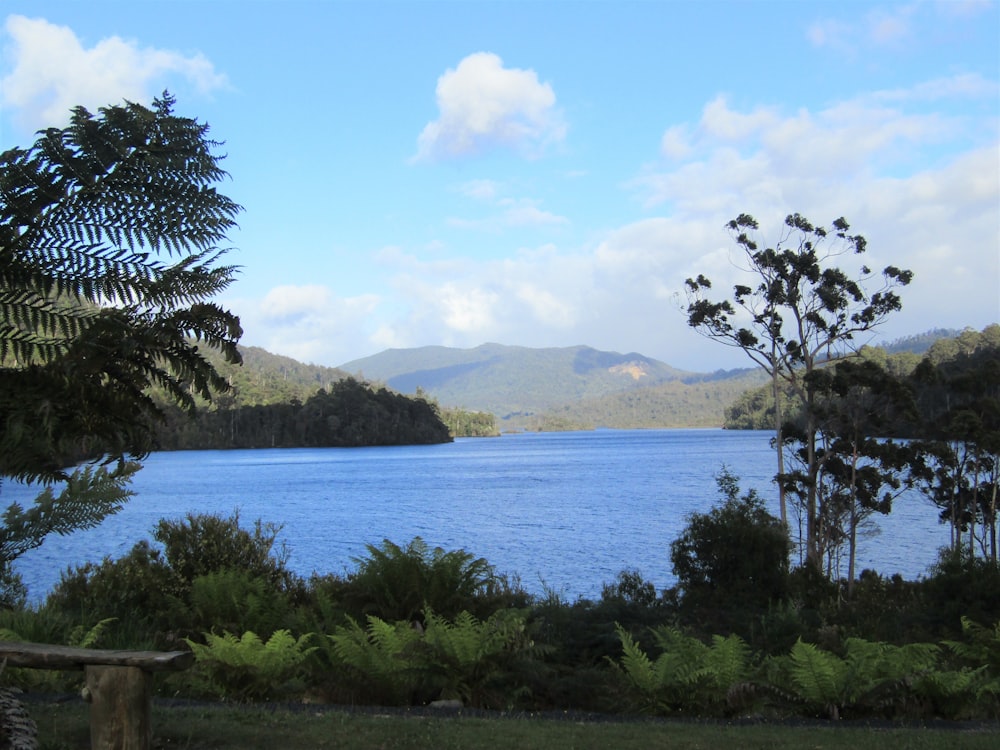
(65, 726)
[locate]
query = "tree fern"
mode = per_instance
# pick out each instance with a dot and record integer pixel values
(109, 254)
(95, 309)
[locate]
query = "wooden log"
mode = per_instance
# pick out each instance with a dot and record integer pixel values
(120, 707)
(45, 656)
(119, 686)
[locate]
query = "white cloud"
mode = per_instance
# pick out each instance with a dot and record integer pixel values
(483, 105)
(676, 142)
(962, 86)
(51, 72)
(963, 8)
(480, 189)
(764, 156)
(509, 212)
(922, 187)
(466, 310)
(719, 121)
(889, 26)
(896, 27)
(308, 322)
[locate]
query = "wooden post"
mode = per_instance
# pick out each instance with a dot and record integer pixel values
(120, 707)
(119, 686)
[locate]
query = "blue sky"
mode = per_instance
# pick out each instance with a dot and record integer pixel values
(548, 173)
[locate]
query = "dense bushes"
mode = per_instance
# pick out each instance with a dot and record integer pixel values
(411, 625)
(732, 560)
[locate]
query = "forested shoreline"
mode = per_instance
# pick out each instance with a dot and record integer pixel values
(349, 413)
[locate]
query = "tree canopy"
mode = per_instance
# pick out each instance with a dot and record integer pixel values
(802, 313)
(109, 255)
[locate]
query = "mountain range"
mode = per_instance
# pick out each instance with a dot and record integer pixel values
(559, 388)
(575, 387)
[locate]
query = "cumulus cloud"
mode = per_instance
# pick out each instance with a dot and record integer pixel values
(308, 322)
(483, 105)
(767, 156)
(860, 159)
(624, 289)
(51, 71)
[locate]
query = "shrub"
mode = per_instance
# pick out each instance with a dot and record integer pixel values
(210, 574)
(731, 563)
(139, 588)
(398, 583)
(208, 543)
(404, 663)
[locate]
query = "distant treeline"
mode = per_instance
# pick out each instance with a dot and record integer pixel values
(754, 409)
(348, 413)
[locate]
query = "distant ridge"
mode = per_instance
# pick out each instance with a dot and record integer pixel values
(521, 385)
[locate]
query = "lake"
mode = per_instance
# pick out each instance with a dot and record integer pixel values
(564, 511)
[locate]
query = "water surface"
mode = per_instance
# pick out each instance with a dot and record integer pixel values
(565, 511)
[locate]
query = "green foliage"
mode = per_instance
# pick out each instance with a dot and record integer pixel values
(231, 599)
(139, 587)
(463, 659)
(93, 315)
(979, 661)
(211, 573)
(801, 312)
(204, 543)
(463, 423)
(90, 495)
(870, 677)
(630, 587)
(735, 557)
(108, 261)
(398, 583)
(246, 668)
(347, 413)
(472, 660)
(688, 677)
(381, 657)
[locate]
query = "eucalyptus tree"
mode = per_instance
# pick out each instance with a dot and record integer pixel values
(109, 254)
(858, 404)
(801, 313)
(959, 430)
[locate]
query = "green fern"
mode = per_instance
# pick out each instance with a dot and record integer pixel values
(246, 668)
(872, 677)
(380, 656)
(471, 658)
(83, 637)
(688, 676)
(979, 675)
(819, 676)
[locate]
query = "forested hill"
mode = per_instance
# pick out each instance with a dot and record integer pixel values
(557, 388)
(266, 378)
(279, 402)
(537, 389)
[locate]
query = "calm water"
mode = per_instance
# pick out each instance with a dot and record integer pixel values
(562, 510)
